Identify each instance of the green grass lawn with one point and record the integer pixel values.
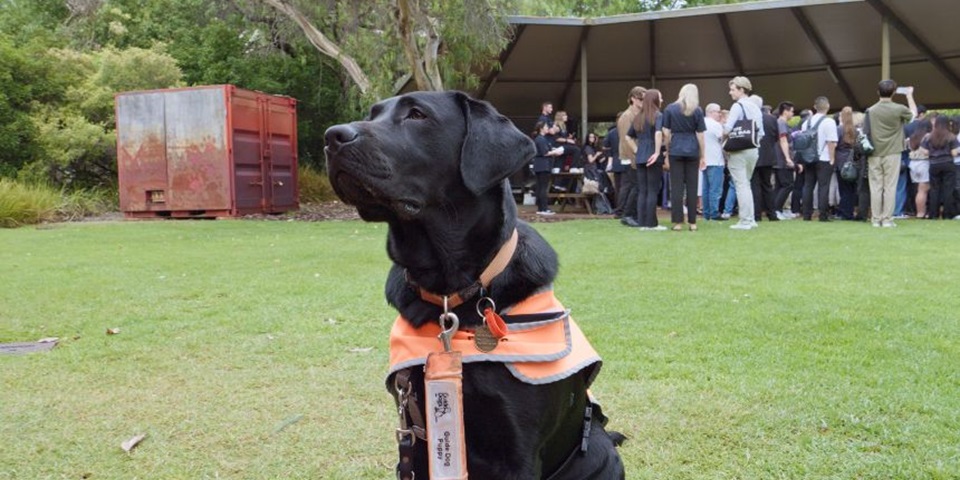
(256, 350)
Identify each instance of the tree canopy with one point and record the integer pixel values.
(62, 61)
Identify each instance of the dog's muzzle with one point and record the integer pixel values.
(338, 136)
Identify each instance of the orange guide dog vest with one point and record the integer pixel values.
(539, 352)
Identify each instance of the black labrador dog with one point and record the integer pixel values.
(434, 167)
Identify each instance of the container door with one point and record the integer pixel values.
(248, 151)
(264, 148)
(281, 118)
(141, 152)
(197, 160)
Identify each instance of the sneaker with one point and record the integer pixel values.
(888, 224)
(742, 226)
(783, 216)
(658, 228)
(547, 212)
(725, 216)
(957, 217)
(876, 224)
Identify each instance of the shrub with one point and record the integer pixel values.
(26, 204)
(85, 203)
(314, 186)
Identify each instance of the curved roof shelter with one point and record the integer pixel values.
(790, 49)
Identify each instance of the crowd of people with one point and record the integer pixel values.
(753, 161)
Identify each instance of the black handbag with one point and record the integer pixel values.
(850, 171)
(743, 135)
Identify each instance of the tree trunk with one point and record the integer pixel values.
(423, 64)
(323, 44)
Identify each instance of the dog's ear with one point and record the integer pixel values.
(493, 148)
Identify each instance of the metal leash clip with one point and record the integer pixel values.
(405, 435)
(446, 334)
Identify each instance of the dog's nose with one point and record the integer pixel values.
(338, 135)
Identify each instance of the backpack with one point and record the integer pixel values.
(805, 143)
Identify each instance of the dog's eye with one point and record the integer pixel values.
(415, 114)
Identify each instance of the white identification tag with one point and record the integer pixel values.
(445, 438)
(625, 161)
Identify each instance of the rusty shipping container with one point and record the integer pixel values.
(213, 151)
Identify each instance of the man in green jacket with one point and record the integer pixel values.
(886, 121)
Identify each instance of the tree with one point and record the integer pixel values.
(26, 78)
(599, 8)
(75, 136)
(441, 42)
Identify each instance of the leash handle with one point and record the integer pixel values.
(446, 442)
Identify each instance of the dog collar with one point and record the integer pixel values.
(494, 268)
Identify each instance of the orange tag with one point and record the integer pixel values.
(446, 445)
(495, 323)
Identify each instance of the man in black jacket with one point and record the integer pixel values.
(762, 181)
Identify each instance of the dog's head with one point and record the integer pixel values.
(423, 152)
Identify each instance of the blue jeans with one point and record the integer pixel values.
(712, 190)
(901, 193)
(731, 198)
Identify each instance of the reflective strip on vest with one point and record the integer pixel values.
(537, 353)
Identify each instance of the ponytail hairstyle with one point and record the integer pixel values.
(849, 129)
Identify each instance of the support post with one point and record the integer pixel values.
(584, 101)
(885, 49)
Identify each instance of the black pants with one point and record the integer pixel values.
(796, 201)
(617, 186)
(543, 181)
(817, 174)
(763, 199)
(956, 191)
(648, 189)
(848, 197)
(573, 151)
(627, 198)
(943, 180)
(684, 175)
(863, 194)
(785, 180)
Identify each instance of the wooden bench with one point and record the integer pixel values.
(583, 199)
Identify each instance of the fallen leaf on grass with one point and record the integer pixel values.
(49, 340)
(113, 331)
(360, 349)
(133, 442)
(287, 422)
